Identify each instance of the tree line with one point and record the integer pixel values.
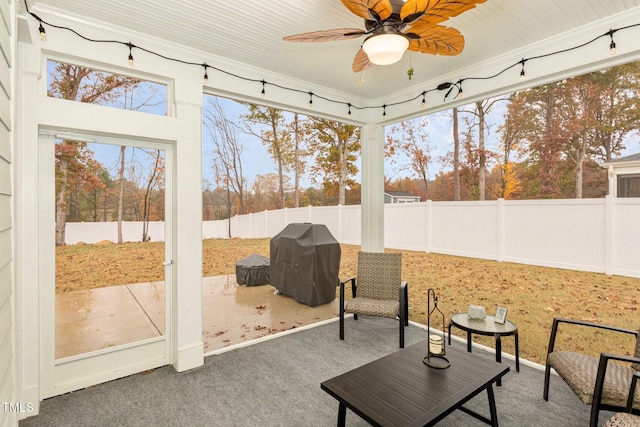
(543, 142)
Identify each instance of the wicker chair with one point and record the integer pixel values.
(378, 291)
(626, 419)
(595, 381)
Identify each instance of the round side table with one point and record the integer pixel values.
(487, 327)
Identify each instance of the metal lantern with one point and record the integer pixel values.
(436, 347)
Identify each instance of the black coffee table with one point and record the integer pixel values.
(400, 390)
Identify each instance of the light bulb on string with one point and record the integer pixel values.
(206, 75)
(263, 93)
(130, 54)
(522, 74)
(384, 110)
(612, 45)
(424, 99)
(43, 34)
(310, 99)
(349, 112)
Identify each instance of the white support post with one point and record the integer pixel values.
(187, 343)
(372, 215)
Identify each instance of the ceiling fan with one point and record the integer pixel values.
(393, 26)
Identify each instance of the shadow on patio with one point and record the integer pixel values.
(276, 382)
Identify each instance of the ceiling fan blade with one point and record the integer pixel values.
(434, 11)
(361, 62)
(436, 40)
(376, 10)
(326, 35)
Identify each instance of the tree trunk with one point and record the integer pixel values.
(456, 156)
(121, 195)
(482, 156)
(579, 170)
(343, 172)
(61, 205)
(296, 161)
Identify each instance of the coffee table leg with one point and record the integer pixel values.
(492, 406)
(469, 340)
(342, 415)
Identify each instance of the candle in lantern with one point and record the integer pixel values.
(435, 344)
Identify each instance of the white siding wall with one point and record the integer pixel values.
(7, 356)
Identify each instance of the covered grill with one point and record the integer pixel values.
(305, 262)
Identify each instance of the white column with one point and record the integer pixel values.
(187, 344)
(27, 280)
(372, 192)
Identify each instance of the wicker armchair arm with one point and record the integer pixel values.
(557, 321)
(602, 370)
(353, 286)
(632, 390)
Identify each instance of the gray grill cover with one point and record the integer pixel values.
(305, 262)
(253, 270)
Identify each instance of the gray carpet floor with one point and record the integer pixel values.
(277, 383)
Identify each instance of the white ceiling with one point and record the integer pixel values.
(251, 31)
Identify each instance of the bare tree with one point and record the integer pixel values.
(227, 149)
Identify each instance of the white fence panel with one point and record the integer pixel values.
(405, 226)
(298, 215)
(215, 229)
(464, 229)
(276, 221)
(625, 235)
(556, 233)
(93, 232)
(350, 232)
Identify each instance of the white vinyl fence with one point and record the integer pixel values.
(599, 235)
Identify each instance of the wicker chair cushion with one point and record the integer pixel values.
(373, 307)
(622, 419)
(379, 275)
(579, 372)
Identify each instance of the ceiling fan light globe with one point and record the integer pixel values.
(385, 49)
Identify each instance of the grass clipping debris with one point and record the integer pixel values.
(533, 295)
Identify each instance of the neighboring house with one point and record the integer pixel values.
(400, 197)
(624, 176)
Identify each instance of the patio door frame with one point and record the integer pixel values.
(67, 374)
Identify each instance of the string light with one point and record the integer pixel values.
(612, 45)
(440, 87)
(43, 34)
(130, 54)
(349, 112)
(206, 76)
(384, 110)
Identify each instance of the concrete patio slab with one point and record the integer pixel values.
(231, 314)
